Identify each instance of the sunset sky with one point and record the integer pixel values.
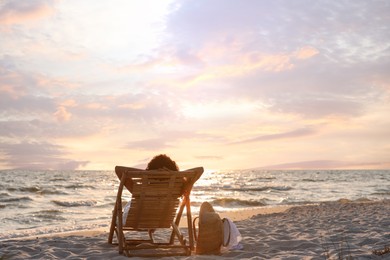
(220, 84)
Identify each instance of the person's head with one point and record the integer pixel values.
(162, 161)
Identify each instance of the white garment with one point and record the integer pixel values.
(126, 211)
(231, 230)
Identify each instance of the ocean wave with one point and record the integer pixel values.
(49, 211)
(38, 190)
(79, 186)
(58, 179)
(230, 202)
(81, 203)
(17, 199)
(42, 191)
(312, 180)
(4, 194)
(257, 179)
(265, 188)
(33, 189)
(385, 193)
(49, 215)
(204, 188)
(295, 202)
(108, 204)
(52, 192)
(52, 229)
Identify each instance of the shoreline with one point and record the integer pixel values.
(307, 231)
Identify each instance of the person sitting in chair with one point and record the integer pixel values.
(161, 161)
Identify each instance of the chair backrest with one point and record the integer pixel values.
(155, 195)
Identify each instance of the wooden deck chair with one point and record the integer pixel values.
(158, 199)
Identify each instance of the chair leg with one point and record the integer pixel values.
(113, 224)
(121, 238)
(189, 224)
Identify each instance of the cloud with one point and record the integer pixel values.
(166, 57)
(20, 129)
(48, 129)
(141, 108)
(168, 138)
(16, 12)
(37, 155)
(209, 157)
(34, 104)
(154, 144)
(320, 106)
(302, 132)
(24, 91)
(333, 51)
(306, 52)
(25, 104)
(327, 164)
(202, 75)
(313, 88)
(62, 114)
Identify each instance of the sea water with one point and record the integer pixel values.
(44, 202)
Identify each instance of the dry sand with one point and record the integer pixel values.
(339, 229)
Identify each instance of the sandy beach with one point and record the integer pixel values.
(323, 231)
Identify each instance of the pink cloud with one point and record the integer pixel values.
(167, 57)
(38, 155)
(297, 133)
(9, 91)
(154, 144)
(62, 114)
(306, 52)
(328, 164)
(16, 12)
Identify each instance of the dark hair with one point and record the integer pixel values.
(162, 161)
